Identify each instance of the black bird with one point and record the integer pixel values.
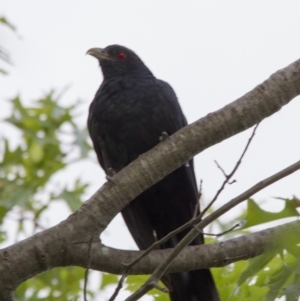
(131, 112)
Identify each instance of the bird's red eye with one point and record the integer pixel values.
(121, 56)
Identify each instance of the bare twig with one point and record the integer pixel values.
(86, 273)
(222, 170)
(159, 287)
(228, 177)
(219, 234)
(197, 206)
(163, 267)
(118, 288)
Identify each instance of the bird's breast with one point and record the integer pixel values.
(128, 116)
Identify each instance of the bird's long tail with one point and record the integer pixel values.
(193, 286)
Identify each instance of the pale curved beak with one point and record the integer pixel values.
(98, 53)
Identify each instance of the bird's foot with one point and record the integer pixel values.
(111, 179)
(110, 174)
(164, 136)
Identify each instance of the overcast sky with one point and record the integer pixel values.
(211, 52)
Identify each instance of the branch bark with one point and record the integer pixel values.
(199, 257)
(57, 246)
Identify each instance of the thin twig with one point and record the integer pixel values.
(197, 206)
(163, 267)
(86, 273)
(118, 288)
(156, 285)
(228, 177)
(222, 170)
(219, 234)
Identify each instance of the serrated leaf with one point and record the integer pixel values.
(256, 215)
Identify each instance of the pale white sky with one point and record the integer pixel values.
(210, 52)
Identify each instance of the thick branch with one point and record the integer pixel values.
(198, 257)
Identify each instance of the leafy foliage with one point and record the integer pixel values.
(50, 140)
(266, 277)
(56, 285)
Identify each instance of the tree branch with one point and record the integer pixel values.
(199, 257)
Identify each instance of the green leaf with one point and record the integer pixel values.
(3, 212)
(108, 279)
(255, 265)
(256, 215)
(26, 172)
(277, 281)
(292, 291)
(73, 196)
(54, 284)
(36, 153)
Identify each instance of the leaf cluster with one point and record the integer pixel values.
(49, 141)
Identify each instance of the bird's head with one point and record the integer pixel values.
(116, 60)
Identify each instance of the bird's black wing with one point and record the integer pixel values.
(178, 191)
(171, 202)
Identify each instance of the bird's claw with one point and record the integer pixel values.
(164, 136)
(109, 176)
(111, 179)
